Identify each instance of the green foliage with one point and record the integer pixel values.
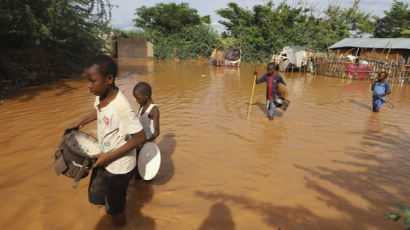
(131, 34)
(169, 18)
(266, 29)
(405, 33)
(66, 26)
(177, 31)
(404, 213)
(395, 23)
(227, 42)
(190, 43)
(62, 30)
(346, 22)
(263, 30)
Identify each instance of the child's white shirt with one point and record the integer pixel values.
(116, 122)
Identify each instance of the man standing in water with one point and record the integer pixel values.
(119, 133)
(272, 79)
(380, 89)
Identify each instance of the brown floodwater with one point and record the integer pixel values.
(328, 162)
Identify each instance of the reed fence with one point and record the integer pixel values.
(333, 64)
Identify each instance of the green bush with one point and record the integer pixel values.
(190, 43)
(44, 39)
(131, 34)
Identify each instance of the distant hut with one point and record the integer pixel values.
(291, 57)
(380, 49)
(228, 57)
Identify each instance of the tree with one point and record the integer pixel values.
(168, 18)
(177, 31)
(395, 23)
(267, 29)
(40, 39)
(55, 25)
(340, 23)
(191, 42)
(238, 18)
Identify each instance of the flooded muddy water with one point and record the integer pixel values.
(328, 162)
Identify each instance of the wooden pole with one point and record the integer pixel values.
(401, 73)
(357, 52)
(250, 101)
(385, 47)
(390, 69)
(307, 61)
(388, 52)
(396, 70)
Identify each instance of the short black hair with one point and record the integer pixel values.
(276, 67)
(384, 73)
(105, 65)
(144, 88)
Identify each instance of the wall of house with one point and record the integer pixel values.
(376, 54)
(134, 48)
(379, 54)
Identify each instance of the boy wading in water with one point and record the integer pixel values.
(272, 79)
(380, 89)
(148, 113)
(119, 133)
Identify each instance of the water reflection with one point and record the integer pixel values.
(327, 163)
(167, 169)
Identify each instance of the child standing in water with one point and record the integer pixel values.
(272, 79)
(380, 89)
(148, 114)
(119, 133)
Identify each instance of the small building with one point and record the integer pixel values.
(380, 49)
(134, 48)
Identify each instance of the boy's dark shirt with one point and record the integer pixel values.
(272, 83)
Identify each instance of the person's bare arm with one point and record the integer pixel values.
(135, 140)
(83, 120)
(154, 115)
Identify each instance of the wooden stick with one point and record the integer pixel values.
(336, 64)
(250, 101)
(388, 52)
(396, 72)
(385, 47)
(357, 52)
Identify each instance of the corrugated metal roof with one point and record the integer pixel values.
(378, 43)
